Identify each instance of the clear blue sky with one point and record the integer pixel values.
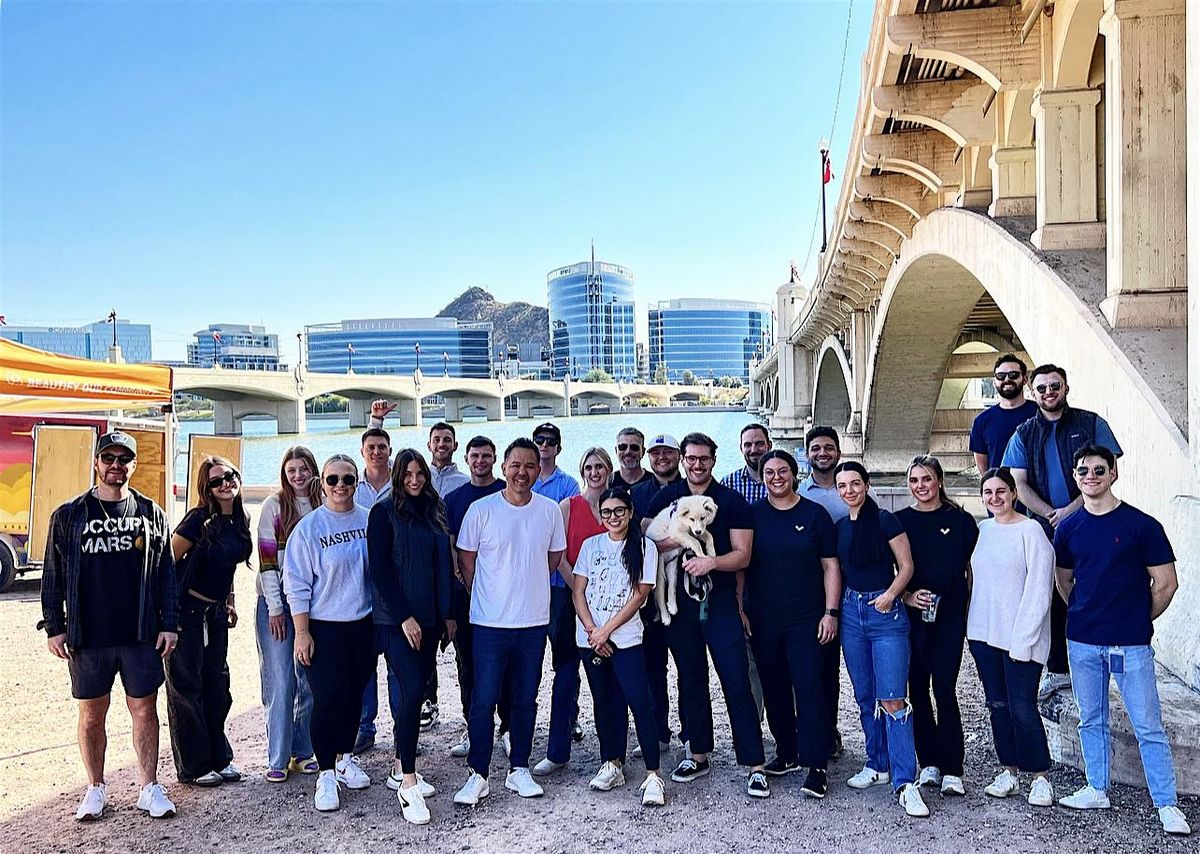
(304, 162)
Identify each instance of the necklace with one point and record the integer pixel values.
(123, 511)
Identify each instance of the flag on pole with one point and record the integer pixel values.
(349, 348)
(795, 279)
(3, 320)
(216, 336)
(827, 171)
(417, 348)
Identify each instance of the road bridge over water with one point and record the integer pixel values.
(1018, 179)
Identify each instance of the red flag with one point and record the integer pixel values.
(795, 279)
(3, 320)
(417, 348)
(827, 172)
(216, 336)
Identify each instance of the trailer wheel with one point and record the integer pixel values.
(8, 569)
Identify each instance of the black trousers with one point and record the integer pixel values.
(937, 650)
(793, 665)
(343, 661)
(1057, 662)
(655, 650)
(831, 675)
(1010, 688)
(198, 697)
(619, 686)
(412, 668)
(721, 635)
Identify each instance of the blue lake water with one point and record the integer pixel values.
(263, 449)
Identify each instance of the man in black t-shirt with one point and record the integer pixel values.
(714, 624)
(109, 606)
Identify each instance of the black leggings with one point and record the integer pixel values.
(934, 663)
(793, 667)
(343, 661)
(412, 668)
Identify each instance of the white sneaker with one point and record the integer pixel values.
(412, 805)
(609, 777)
(153, 799)
(546, 767)
(1004, 785)
(350, 774)
(1041, 793)
(1173, 821)
(868, 777)
(460, 750)
(506, 743)
(653, 791)
(1086, 798)
(1052, 682)
(395, 782)
(519, 781)
(93, 803)
(475, 789)
(930, 776)
(952, 785)
(326, 798)
(910, 798)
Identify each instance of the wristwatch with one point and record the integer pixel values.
(832, 612)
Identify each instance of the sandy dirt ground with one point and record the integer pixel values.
(41, 780)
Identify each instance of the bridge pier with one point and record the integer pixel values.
(452, 415)
(289, 415)
(360, 413)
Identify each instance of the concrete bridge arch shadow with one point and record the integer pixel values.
(833, 390)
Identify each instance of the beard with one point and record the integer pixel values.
(823, 467)
(1008, 391)
(1062, 401)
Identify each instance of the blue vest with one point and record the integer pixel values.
(1076, 428)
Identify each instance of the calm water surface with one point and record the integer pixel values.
(263, 449)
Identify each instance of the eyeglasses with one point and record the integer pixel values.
(229, 477)
(1042, 389)
(545, 440)
(613, 512)
(116, 459)
(1098, 471)
(622, 448)
(692, 460)
(346, 479)
(1007, 375)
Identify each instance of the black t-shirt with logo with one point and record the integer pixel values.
(110, 572)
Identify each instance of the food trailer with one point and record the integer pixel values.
(53, 410)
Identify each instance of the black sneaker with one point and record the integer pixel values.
(816, 784)
(835, 745)
(429, 715)
(757, 786)
(689, 769)
(777, 767)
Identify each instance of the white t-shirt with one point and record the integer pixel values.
(608, 589)
(511, 589)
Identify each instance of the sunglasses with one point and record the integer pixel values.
(1007, 375)
(346, 479)
(613, 512)
(230, 477)
(1098, 471)
(1042, 389)
(622, 448)
(545, 440)
(116, 459)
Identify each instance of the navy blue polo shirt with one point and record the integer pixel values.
(992, 428)
(733, 513)
(1110, 603)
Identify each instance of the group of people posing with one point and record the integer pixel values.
(406, 556)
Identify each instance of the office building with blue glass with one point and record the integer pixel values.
(390, 346)
(592, 319)
(712, 338)
(235, 346)
(86, 342)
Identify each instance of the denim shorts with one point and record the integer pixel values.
(94, 670)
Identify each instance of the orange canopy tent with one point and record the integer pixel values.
(33, 380)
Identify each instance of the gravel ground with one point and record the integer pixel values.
(43, 780)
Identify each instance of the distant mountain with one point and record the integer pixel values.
(512, 322)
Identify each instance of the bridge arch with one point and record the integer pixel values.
(833, 389)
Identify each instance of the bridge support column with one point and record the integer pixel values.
(224, 420)
(409, 412)
(1146, 145)
(860, 346)
(290, 417)
(495, 408)
(1193, 226)
(360, 413)
(524, 405)
(976, 189)
(1066, 170)
(1013, 189)
(452, 415)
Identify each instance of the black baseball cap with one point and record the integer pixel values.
(117, 439)
(548, 429)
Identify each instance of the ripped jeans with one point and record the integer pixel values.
(876, 649)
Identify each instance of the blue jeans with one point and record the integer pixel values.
(370, 700)
(876, 649)
(286, 696)
(1090, 669)
(519, 652)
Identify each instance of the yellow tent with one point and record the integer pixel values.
(33, 380)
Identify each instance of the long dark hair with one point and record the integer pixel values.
(866, 534)
(633, 553)
(207, 503)
(426, 506)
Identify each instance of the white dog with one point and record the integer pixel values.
(685, 521)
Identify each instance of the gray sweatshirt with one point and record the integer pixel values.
(325, 566)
